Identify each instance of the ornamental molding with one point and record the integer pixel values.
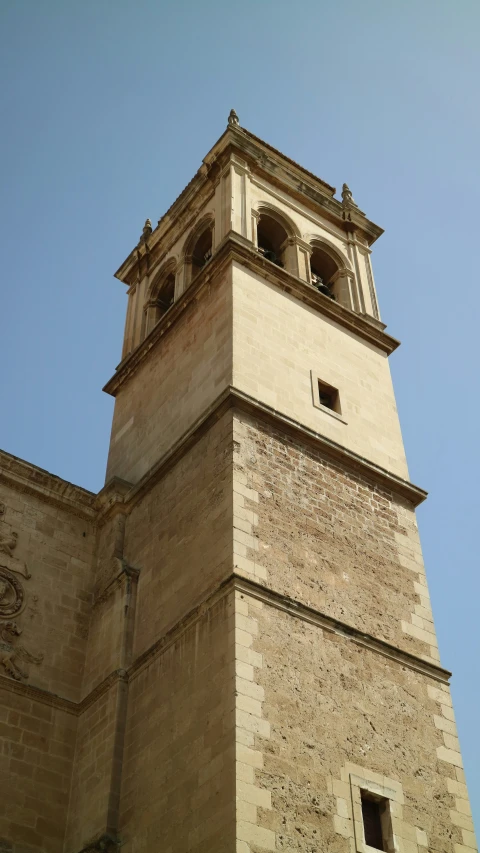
(238, 249)
(39, 694)
(234, 582)
(234, 399)
(309, 614)
(12, 594)
(22, 476)
(274, 166)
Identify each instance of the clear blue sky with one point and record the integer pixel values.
(107, 109)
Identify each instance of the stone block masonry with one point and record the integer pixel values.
(329, 538)
(244, 664)
(231, 649)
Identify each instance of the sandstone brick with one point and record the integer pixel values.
(253, 834)
(249, 756)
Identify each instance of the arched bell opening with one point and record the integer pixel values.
(162, 297)
(202, 250)
(271, 239)
(323, 269)
(166, 297)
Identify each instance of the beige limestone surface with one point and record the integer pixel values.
(278, 342)
(225, 646)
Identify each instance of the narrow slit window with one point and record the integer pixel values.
(376, 821)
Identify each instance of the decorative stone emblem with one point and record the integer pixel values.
(233, 119)
(12, 594)
(10, 651)
(12, 602)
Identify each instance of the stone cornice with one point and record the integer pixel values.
(39, 694)
(24, 477)
(302, 185)
(232, 398)
(110, 499)
(350, 460)
(265, 160)
(180, 218)
(272, 598)
(130, 364)
(234, 248)
(314, 617)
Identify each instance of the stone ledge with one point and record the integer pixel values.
(39, 694)
(352, 461)
(238, 249)
(328, 623)
(274, 166)
(232, 398)
(233, 583)
(23, 476)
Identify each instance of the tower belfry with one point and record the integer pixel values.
(299, 702)
(260, 670)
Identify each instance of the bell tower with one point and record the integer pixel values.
(280, 686)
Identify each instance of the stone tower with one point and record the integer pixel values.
(256, 666)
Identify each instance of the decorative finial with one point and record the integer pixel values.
(233, 119)
(347, 197)
(147, 230)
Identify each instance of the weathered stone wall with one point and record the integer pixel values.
(92, 773)
(330, 710)
(56, 548)
(178, 790)
(46, 564)
(37, 743)
(329, 538)
(178, 540)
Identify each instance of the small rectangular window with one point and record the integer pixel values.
(376, 821)
(328, 397)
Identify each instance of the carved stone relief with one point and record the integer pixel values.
(8, 543)
(10, 652)
(12, 602)
(12, 594)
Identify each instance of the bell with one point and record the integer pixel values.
(270, 256)
(318, 282)
(322, 288)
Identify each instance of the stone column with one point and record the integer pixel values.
(290, 254)
(304, 252)
(180, 277)
(255, 216)
(343, 282)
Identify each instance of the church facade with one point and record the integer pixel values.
(231, 646)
